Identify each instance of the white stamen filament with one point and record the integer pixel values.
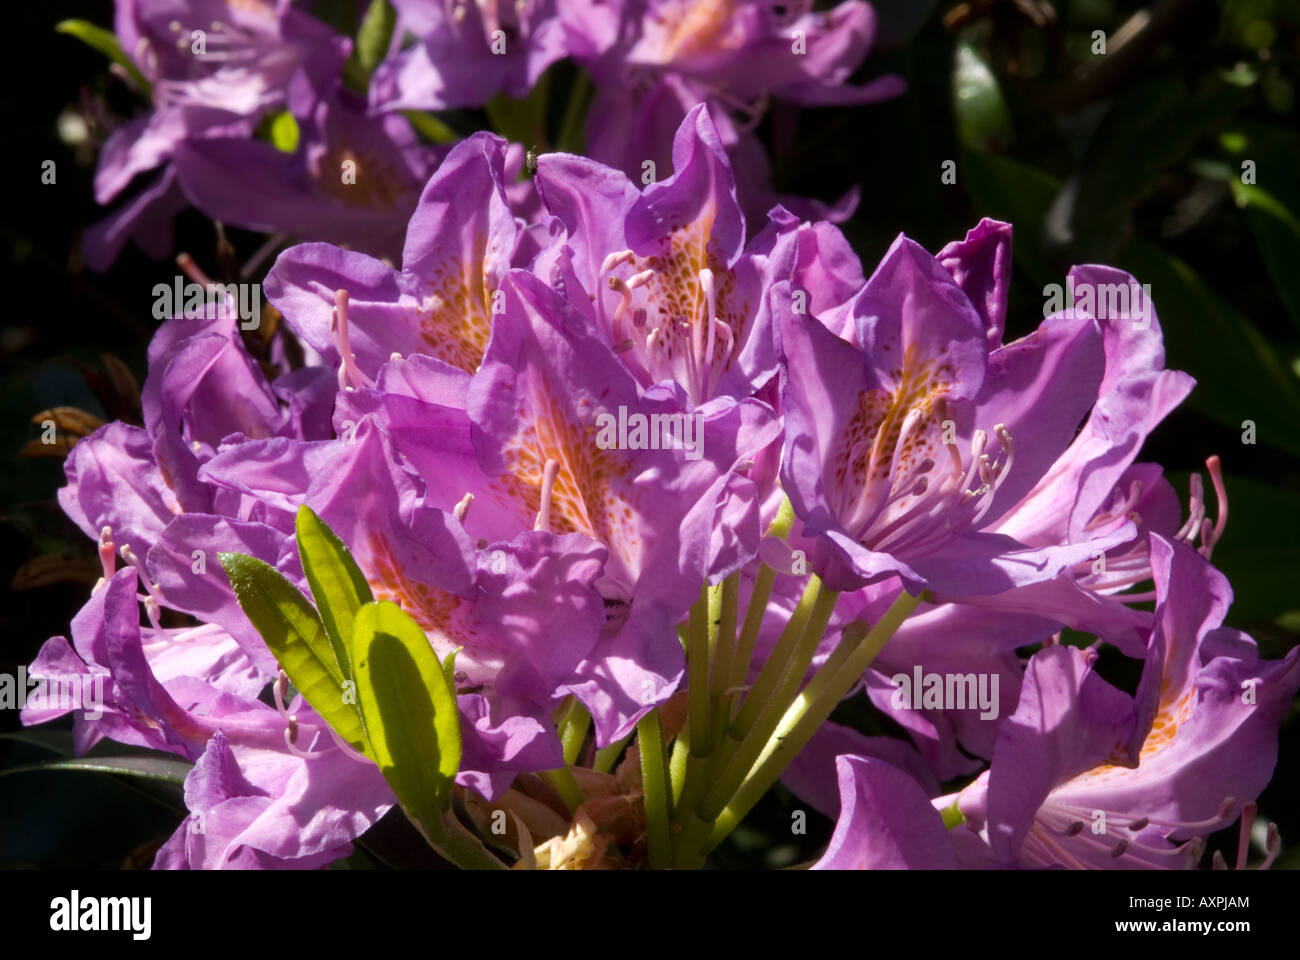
(350, 374)
(150, 587)
(603, 278)
(706, 336)
(151, 610)
(725, 328)
(1000, 471)
(279, 688)
(1129, 502)
(346, 748)
(549, 472)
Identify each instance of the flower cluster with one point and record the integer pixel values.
(632, 461)
(264, 117)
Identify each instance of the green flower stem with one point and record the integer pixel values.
(770, 676)
(689, 844)
(850, 646)
(606, 757)
(655, 788)
(720, 676)
(696, 820)
(783, 694)
(850, 637)
(783, 521)
(698, 666)
(677, 764)
(566, 786)
(809, 711)
(744, 654)
(697, 671)
(572, 728)
(796, 667)
(693, 828)
(755, 611)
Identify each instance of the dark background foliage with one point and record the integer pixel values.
(1133, 158)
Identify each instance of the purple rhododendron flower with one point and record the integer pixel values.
(1206, 701)
(676, 289)
(639, 449)
(1083, 775)
(214, 69)
(653, 60)
(353, 179)
(901, 453)
(467, 52)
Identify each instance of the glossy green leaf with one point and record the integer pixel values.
(297, 638)
(430, 126)
(55, 741)
(523, 120)
(375, 34)
(900, 20)
(413, 722)
(1204, 332)
(1148, 130)
(106, 42)
(165, 768)
(449, 668)
(1005, 189)
(409, 708)
(1277, 234)
(283, 132)
(983, 121)
(337, 583)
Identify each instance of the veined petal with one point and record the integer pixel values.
(886, 822)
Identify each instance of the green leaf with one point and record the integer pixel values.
(521, 121)
(983, 121)
(337, 583)
(297, 638)
(375, 34)
(1277, 234)
(1148, 130)
(572, 137)
(355, 77)
(900, 20)
(1202, 331)
(413, 723)
(55, 741)
(1270, 205)
(283, 132)
(1008, 190)
(430, 126)
(409, 709)
(164, 768)
(106, 42)
(449, 668)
